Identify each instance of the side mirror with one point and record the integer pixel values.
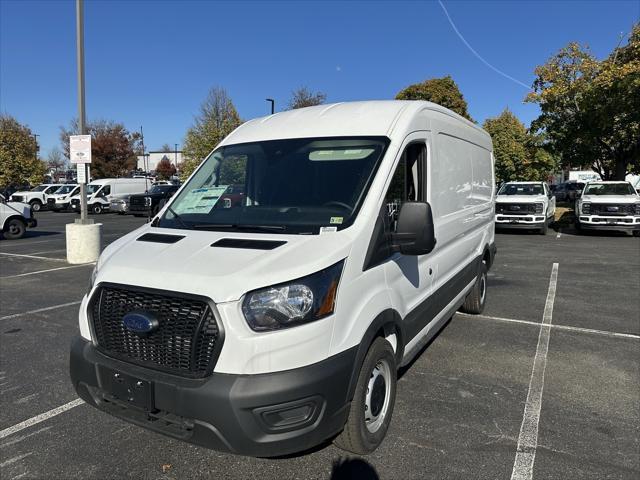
(415, 233)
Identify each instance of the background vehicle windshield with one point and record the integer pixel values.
(609, 189)
(93, 188)
(161, 188)
(64, 189)
(292, 186)
(521, 189)
(39, 188)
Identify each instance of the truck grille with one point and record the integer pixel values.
(17, 198)
(516, 208)
(609, 209)
(138, 201)
(184, 343)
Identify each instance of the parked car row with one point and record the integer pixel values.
(600, 205)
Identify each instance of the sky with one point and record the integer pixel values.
(150, 63)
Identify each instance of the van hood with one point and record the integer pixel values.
(22, 208)
(192, 265)
(520, 198)
(625, 199)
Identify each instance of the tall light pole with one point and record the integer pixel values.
(144, 161)
(176, 156)
(82, 119)
(273, 105)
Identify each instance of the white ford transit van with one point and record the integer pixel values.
(362, 228)
(100, 193)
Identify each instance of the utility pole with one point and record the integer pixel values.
(176, 156)
(273, 105)
(35, 139)
(82, 119)
(144, 161)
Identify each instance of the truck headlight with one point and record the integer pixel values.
(539, 207)
(585, 208)
(637, 208)
(147, 201)
(293, 303)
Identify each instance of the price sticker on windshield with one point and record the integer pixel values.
(80, 148)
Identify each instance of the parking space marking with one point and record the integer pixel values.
(40, 418)
(33, 256)
(528, 438)
(23, 243)
(555, 326)
(559, 233)
(46, 309)
(48, 270)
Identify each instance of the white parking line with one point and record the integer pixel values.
(33, 256)
(40, 418)
(46, 309)
(555, 326)
(559, 233)
(45, 271)
(528, 438)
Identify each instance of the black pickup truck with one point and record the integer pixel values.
(148, 204)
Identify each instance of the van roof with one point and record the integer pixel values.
(370, 118)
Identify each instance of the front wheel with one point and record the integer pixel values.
(545, 228)
(36, 205)
(474, 303)
(14, 229)
(96, 208)
(373, 401)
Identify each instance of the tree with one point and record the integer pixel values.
(55, 160)
(165, 169)
(303, 97)
(113, 147)
(518, 154)
(18, 157)
(217, 119)
(166, 148)
(443, 91)
(591, 108)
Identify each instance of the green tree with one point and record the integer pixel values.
(443, 91)
(166, 148)
(217, 119)
(303, 97)
(590, 109)
(113, 147)
(18, 157)
(518, 154)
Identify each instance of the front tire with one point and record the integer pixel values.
(477, 297)
(96, 208)
(545, 227)
(36, 205)
(14, 229)
(373, 401)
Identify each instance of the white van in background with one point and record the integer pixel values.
(363, 227)
(37, 196)
(60, 199)
(100, 193)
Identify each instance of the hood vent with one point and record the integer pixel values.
(159, 238)
(248, 243)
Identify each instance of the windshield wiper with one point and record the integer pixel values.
(229, 226)
(179, 219)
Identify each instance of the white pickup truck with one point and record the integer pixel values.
(15, 217)
(609, 206)
(37, 196)
(527, 205)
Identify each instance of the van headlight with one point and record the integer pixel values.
(293, 303)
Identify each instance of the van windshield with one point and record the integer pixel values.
(521, 189)
(64, 189)
(279, 186)
(93, 188)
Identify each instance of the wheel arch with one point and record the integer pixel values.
(386, 323)
(13, 217)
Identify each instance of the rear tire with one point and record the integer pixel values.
(474, 303)
(36, 205)
(14, 229)
(373, 401)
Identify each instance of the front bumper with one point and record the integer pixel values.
(599, 222)
(520, 221)
(262, 415)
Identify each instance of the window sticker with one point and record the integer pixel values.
(328, 229)
(336, 220)
(201, 200)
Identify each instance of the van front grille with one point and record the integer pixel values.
(184, 342)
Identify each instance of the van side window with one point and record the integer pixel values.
(407, 184)
(106, 190)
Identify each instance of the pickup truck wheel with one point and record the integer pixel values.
(36, 205)
(14, 229)
(373, 401)
(545, 227)
(474, 303)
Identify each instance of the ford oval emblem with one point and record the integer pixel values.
(140, 322)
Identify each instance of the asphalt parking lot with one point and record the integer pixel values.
(556, 354)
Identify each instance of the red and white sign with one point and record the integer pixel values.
(80, 148)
